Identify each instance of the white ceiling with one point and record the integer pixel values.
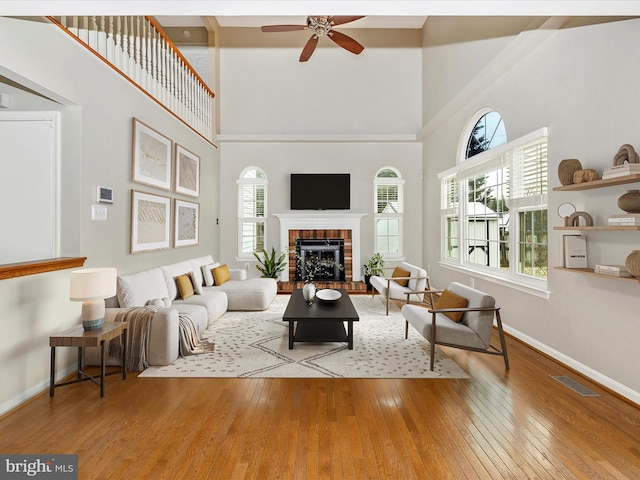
(416, 22)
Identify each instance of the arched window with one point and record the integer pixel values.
(487, 133)
(494, 203)
(388, 210)
(252, 212)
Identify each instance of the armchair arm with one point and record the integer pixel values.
(472, 309)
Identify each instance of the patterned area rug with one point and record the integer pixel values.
(256, 344)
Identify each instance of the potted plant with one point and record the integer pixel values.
(269, 265)
(373, 267)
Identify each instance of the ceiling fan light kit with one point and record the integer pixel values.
(321, 26)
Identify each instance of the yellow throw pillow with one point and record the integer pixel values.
(185, 286)
(451, 300)
(401, 272)
(221, 274)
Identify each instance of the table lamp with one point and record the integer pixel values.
(91, 286)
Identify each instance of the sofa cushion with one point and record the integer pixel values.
(215, 304)
(221, 274)
(171, 272)
(185, 286)
(449, 299)
(399, 272)
(135, 289)
(251, 294)
(207, 273)
(196, 264)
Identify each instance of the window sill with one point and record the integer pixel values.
(14, 270)
(535, 290)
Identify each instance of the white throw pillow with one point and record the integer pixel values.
(196, 264)
(206, 273)
(197, 284)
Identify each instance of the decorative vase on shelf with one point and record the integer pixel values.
(633, 263)
(567, 168)
(308, 291)
(630, 201)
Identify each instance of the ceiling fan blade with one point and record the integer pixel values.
(339, 20)
(309, 48)
(345, 42)
(282, 28)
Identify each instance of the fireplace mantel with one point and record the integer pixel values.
(323, 220)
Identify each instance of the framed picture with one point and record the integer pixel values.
(187, 172)
(151, 156)
(150, 222)
(187, 228)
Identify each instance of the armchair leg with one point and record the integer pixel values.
(503, 342)
(387, 302)
(406, 329)
(433, 340)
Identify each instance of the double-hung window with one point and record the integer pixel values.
(494, 211)
(252, 212)
(388, 213)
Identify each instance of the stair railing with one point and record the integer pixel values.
(138, 48)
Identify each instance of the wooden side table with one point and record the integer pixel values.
(81, 338)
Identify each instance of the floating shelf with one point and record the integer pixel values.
(607, 182)
(590, 271)
(599, 227)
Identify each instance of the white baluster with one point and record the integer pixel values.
(92, 32)
(110, 43)
(125, 46)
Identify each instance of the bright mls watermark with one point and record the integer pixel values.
(52, 467)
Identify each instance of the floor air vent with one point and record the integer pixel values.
(575, 386)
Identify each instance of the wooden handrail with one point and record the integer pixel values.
(14, 270)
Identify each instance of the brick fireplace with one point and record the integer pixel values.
(337, 244)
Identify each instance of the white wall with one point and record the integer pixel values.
(97, 107)
(582, 84)
(361, 160)
(336, 113)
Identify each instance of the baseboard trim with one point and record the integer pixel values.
(606, 382)
(34, 391)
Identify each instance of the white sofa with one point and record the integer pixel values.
(138, 289)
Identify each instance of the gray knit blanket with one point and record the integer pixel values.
(138, 331)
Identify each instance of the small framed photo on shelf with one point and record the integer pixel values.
(187, 228)
(187, 172)
(150, 222)
(151, 163)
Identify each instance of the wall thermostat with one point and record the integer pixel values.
(105, 195)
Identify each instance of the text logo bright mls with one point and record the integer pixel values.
(58, 467)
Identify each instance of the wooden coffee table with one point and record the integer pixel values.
(321, 321)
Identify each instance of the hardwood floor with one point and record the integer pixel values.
(497, 424)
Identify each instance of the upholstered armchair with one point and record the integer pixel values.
(406, 282)
(461, 318)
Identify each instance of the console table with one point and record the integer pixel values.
(81, 338)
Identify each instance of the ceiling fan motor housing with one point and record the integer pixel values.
(320, 26)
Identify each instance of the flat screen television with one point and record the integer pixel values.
(320, 191)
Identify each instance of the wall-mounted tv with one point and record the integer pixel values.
(320, 191)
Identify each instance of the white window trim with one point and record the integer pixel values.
(399, 256)
(244, 256)
(476, 165)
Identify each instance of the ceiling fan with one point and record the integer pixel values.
(320, 27)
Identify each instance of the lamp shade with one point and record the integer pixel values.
(92, 284)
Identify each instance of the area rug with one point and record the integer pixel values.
(256, 344)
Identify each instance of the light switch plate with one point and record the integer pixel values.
(98, 213)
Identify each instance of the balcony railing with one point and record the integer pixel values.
(138, 48)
